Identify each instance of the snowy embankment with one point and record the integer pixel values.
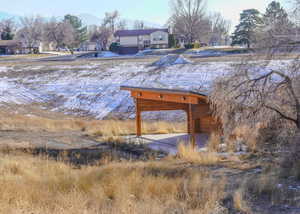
(94, 89)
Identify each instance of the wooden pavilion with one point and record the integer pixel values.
(196, 106)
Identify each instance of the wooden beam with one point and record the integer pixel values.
(138, 118)
(188, 116)
(153, 105)
(176, 98)
(191, 125)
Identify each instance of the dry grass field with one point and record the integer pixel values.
(216, 181)
(39, 185)
(45, 121)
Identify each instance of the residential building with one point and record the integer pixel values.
(131, 41)
(90, 46)
(10, 47)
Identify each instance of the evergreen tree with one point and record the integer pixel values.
(7, 34)
(172, 41)
(275, 19)
(7, 29)
(244, 33)
(79, 29)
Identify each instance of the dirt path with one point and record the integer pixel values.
(51, 140)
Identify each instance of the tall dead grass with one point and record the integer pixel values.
(105, 128)
(214, 142)
(266, 187)
(191, 154)
(37, 185)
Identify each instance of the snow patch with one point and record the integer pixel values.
(107, 54)
(94, 89)
(171, 59)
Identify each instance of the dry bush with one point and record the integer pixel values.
(239, 201)
(37, 185)
(248, 136)
(290, 165)
(214, 142)
(267, 187)
(191, 154)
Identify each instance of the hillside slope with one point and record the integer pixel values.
(93, 89)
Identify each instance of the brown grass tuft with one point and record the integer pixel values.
(240, 202)
(191, 154)
(214, 142)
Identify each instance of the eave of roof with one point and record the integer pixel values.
(138, 32)
(163, 90)
(9, 43)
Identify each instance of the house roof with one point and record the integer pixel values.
(9, 43)
(163, 90)
(138, 32)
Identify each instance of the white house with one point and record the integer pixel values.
(90, 46)
(134, 40)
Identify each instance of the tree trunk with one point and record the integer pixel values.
(297, 136)
(298, 119)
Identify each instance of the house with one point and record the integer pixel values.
(90, 46)
(199, 115)
(131, 41)
(10, 47)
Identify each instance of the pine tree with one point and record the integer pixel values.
(7, 29)
(244, 33)
(275, 19)
(80, 30)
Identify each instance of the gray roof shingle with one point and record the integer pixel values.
(138, 32)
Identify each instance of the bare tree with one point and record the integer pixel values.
(122, 25)
(139, 24)
(111, 20)
(53, 32)
(219, 29)
(60, 33)
(7, 29)
(31, 32)
(258, 93)
(189, 19)
(261, 89)
(69, 36)
(276, 29)
(101, 35)
(110, 24)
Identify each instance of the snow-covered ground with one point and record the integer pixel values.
(94, 89)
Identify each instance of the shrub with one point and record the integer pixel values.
(191, 154)
(172, 41)
(114, 47)
(197, 45)
(189, 46)
(214, 142)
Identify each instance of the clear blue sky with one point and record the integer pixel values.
(149, 10)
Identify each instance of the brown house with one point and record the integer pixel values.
(10, 46)
(131, 41)
(196, 106)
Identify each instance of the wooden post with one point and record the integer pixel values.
(188, 121)
(191, 122)
(138, 118)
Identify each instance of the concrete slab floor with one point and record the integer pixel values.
(167, 142)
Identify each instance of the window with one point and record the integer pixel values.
(158, 38)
